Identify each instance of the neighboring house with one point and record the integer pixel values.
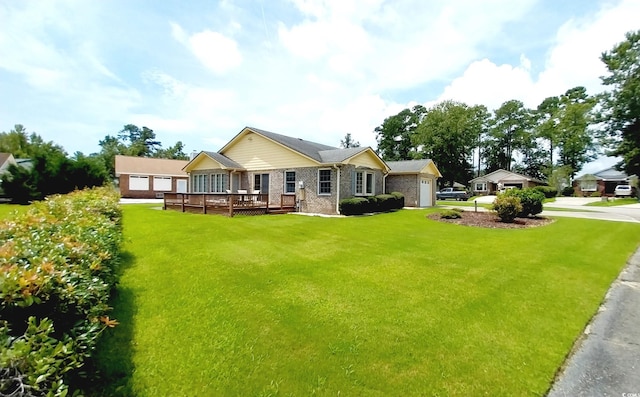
(496, 180)
(603, 182)
(144, 177)
(416, 179)
(317, 175)
(6, 160)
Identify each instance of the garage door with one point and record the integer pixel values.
(138, 182)
(162, 183)
(426, 192)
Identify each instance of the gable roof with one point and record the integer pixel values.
(306, 148)
(149, 166)
(504, 175)
(6, 159)
(413, 167)
(221, 159)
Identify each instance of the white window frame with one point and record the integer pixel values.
(218, 183)
(483, 187)
(321, 182)
(200, 183)
(136, 184)
(365, 183)
(588, 185)
(160, 183)
(289, 185)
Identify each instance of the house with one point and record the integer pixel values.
(602, 182)
(144, 177)
(416, 179)
(497, 180)
(313, 175)
(6, 160)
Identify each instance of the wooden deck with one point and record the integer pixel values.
(228, 204)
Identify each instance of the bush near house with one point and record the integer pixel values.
(568, 191)
(58, 265)
(548, 191)
(530, 199)
(379, 203)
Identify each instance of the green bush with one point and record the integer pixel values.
(548, 191)
(530, 199)
(568, 191)
(596, 194)
(363, 205)
(451, 214)
(507, 207)
(58, 266)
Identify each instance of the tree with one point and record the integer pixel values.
(447, 134)
(24, 145)
(621, 105)
(509, 132)
(546, 116)
(348, 142)
(395, 134)
(175, 152)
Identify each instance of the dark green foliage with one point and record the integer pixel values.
(530, 199)
(451, 214)
(395, 134)
(568, 191)
(58, 266)
(364, 205)
(548, 191)
(507, 207)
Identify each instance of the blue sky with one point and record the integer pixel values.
(199, 71)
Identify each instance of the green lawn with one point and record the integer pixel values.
(7, 209)
(612, 202)
(393, 304)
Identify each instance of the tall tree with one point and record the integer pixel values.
(510, 131)
(546, 118)
(448, 135)
(621, 104)
(348, 142)
(175, 152)
(24, 145)
(575, 140)
(395, 134)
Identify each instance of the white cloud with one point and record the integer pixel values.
(215, 51)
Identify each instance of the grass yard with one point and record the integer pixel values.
(7, 209)
(612, 202)
(385, 305)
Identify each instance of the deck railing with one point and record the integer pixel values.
(225, 203)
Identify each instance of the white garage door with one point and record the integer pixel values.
(426, 193)
(162, 183)
(138, 182)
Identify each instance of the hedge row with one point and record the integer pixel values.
(379, 203)
(58, 266)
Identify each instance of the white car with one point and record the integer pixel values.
(622, 191)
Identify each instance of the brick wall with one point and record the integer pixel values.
(123, 184)
(407, 185)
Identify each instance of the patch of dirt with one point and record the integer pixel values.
(491, 220)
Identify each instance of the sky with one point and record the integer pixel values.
(200, 71)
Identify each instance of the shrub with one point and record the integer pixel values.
(568, 191)
(58, 266)
(379, 203)
(548, 191)
(596, 194)
(451, 214)
(507, 207)
(530, 199)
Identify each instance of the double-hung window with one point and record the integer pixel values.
(481, 187)
(289, 181)
(364, 183)
(324, 181)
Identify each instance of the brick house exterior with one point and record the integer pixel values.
(144, 177)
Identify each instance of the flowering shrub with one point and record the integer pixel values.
(58, 266)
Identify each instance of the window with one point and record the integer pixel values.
(588, 185)
(200, 183)
(324, 181)
(138, 182)
(218, 183)
(481, 187)
(289, 181)
(364, 183)
(162, 183)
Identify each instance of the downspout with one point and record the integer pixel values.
(384, 182)
(338, 188)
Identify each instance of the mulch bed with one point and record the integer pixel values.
(490, 220)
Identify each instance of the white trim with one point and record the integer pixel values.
(318, 186)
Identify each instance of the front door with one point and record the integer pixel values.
(426, 194)
(181, 186)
